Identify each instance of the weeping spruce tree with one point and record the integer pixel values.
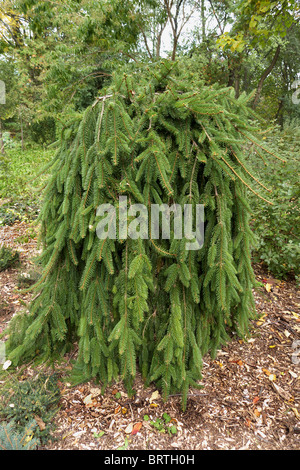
(155, 137)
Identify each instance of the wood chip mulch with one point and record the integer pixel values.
(251, 392)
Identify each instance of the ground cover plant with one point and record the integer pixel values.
(29, 405)
(8, 257)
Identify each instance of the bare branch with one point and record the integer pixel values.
(145, 40)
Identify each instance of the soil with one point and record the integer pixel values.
(250, 398)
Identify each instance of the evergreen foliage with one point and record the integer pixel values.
(154, 136)
(8, 257)
(29, 400)
(12, 439)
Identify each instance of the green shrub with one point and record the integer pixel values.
(157, 137)
(32, 400)
(277, 226)
(26, 279)
(12, 439)
(9, 143)
(22, 210)
(8, 257)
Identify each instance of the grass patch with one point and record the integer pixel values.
(21, 183)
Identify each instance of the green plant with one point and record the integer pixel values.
(8, 257)
(13, 439)
(32, 400)
(26, 279)
(125, 445)
(21, 210)
(8, 141)
(163, 424)
(156, 137)
(277, 226)
(22, 175)
(100, 434)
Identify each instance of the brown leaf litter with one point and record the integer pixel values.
(250, 397)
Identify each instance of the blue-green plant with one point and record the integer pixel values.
(16, 439)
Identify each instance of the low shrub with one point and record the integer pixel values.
(12, 439)
(34, 400)
(8, 257)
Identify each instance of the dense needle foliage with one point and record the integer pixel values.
(155, 136)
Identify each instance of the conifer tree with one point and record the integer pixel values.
(158, 137)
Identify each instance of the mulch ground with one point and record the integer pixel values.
(250, 397)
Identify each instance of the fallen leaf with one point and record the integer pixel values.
(220, 364)
(174, 444)
(155, 396)
(293, 374)
(283, 393)
(296, 315)
(237, 361)
(129, 428)
(271, 376)
(95, 392)
(88, 400)
(40, 423)
(261, 320)
(255, 400)
(136, 428)
(268, 287)
(124, 410)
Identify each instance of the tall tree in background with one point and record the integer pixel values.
(260, 27)
(64, 50)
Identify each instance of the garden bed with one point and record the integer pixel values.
(251, 391)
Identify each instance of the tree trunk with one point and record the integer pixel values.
(279, 114)
(22, 136)
(175, 41)
(203, 20)
(263, 77)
